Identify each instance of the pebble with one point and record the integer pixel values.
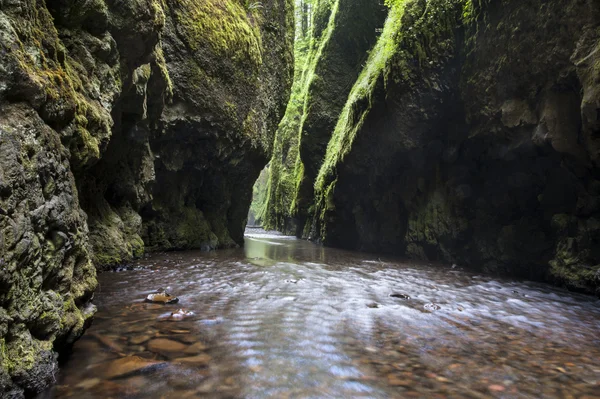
(199, 360)
(397, 382)
(139, 339)
(166, 345)
(196, 348)
(188, 338)
(432, 307)
(128, 365)
(109, 342)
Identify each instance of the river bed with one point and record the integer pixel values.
(285, 318)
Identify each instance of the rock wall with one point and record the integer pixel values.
(200, 123)
(471, 136)
(124, 127)
(328, 60)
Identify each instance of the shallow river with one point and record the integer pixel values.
(284, 318)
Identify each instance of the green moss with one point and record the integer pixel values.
(223, 25)
(142, 74)
(259, 197)
(349, 123)
(159, 58)
(159, 13)
(596, 67)
(102, 259)
(575, 275)
(427, 37)
(287, 170)
(62, 83)
(137, 246)
(19, 356)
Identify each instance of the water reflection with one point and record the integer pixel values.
(272, 247)
(286, 318)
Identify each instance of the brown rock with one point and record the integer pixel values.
(397, 382)
(166, 345)
(199, 360)
(196, 348)
(138, 340)
(130, 364)
(110, 343)
(188, 338)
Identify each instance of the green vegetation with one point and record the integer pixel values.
(414, 31)
(286, 170)
(398, 54)
(349, 124)
(224, 25)
(258, 207)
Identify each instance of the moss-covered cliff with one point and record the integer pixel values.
(124, 127)
(470, 136)
(329, 56)
(200, 144)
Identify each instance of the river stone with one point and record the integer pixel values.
(166, 345)
(140, 339)
(109, 342)
(397, 382)
(162, 297)
(188, 338)
(196, 348)
(199, 360)
(130, 364)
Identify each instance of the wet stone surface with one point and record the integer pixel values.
(284, 318)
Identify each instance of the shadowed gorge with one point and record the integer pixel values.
(458, 135)
(469, 135)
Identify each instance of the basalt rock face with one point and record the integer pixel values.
(195, 131)
(328, 61)
(124, 127)
(471, 136)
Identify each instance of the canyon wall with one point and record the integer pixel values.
(124, 127)
(470, 136)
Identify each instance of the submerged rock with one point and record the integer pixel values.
(199, 360)
(140, 339)
(198, 347)
(161, 345)
(129, 365)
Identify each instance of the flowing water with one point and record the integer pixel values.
(284, 318)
